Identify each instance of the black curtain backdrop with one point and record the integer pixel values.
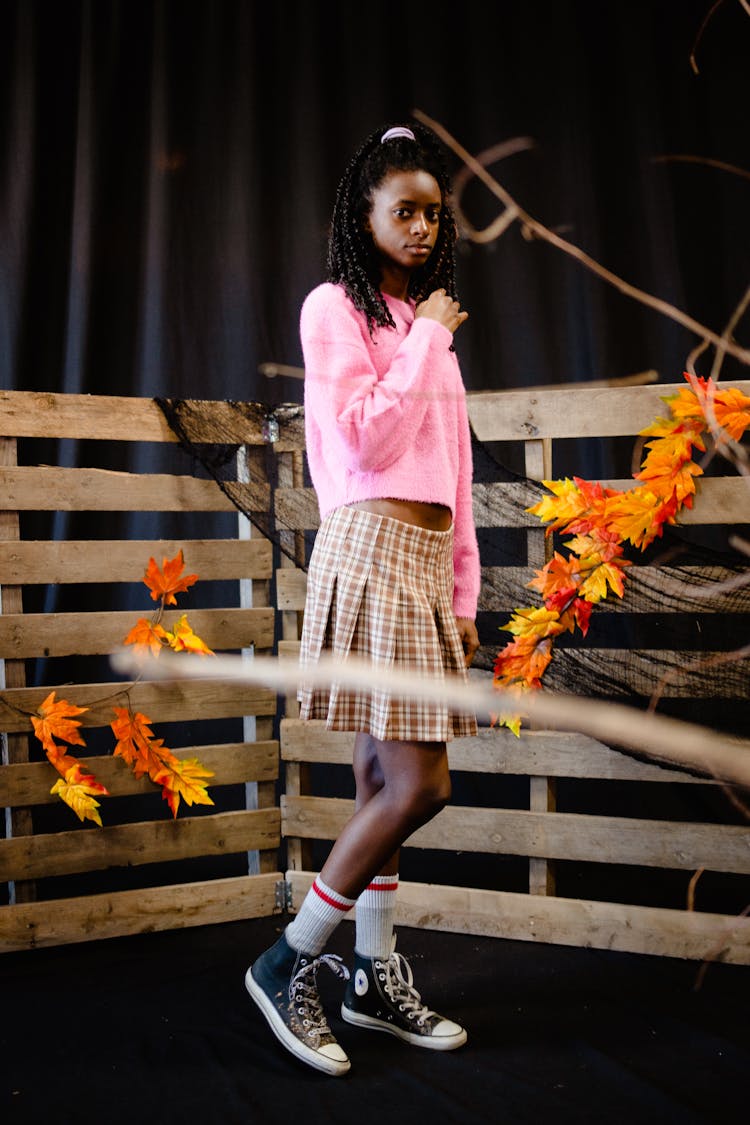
(168, 171)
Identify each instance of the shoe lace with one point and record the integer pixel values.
(303, 991)
(400, 987)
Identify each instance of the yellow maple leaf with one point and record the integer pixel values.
(634, 515)
(164, 583)
(183, 639)
(538, 622)
(78, 790)
(677, 481)
(605, 577)
(183, 779)
(55, 720)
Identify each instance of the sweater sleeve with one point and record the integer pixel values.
(369, 420)
(466, 566)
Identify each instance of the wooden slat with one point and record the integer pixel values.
(125, 560)
(720, 501)
(577, 836)
(231, 763)
(575, 413)
(648, 589)
(43, 489)
(493, 751)
(163, 701)
(157, 841)
(144, 911)
(291, 588)
(27, 635)
(114, 418)
(616, 672)
(296, 509)
(655, 931)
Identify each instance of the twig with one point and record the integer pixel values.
(661, 738)
(534, 227)
(708, 160)
(701, 29)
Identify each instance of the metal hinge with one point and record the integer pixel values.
(283, 895)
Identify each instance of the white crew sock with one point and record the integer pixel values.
(376, 908)
(319, 915)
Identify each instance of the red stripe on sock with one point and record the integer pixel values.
(382, 887)
(345, 906)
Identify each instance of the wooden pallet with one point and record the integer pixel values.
(546, 837)
(140, 834)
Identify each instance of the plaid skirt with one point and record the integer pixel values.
(382, 590)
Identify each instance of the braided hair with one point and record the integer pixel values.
(352, 260)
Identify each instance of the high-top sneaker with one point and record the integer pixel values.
(283, 983)
(381, 995)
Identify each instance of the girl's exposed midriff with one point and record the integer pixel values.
(433, 517)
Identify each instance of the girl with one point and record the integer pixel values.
(393, 577)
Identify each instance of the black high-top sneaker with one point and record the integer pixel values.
(283, 983)
(381, 995)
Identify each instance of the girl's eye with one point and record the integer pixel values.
(402, 213)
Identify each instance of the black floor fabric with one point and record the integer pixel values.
(158, 1030)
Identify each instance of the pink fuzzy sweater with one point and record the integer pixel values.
(385, 418)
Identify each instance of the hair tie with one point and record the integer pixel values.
(397, 131)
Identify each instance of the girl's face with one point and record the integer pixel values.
(404, 220)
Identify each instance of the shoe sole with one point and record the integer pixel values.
(285, 1037)
(441, 1043)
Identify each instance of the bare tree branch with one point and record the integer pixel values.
(536, 229)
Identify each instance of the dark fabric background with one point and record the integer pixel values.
(168, 170)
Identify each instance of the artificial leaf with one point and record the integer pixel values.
(538, 622)
(183, 779)
(55, 720)
(732, 411)
(146, 635)
(598, 545)
(136, 743)
(183, 639)
(78, 790)
(524, 659)
(164, 583)
(666, 481)
(570, 500)
(556, 575)
(634, 515)
(600, 580)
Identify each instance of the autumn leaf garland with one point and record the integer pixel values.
(136, 744)
(602, 520)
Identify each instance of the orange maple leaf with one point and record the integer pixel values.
(55, 721)
(558, 574)
(137, 745)
(183, 779)
(146, 635)
(78, 790)
(635, 515)
(164, 583)
(183, 639)
(524, 659)
(732, 411)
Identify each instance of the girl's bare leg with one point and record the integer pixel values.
(400, 786)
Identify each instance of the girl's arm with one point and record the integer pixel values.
(369, 421)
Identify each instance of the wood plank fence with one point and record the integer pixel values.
(546, 837)
(246, 820)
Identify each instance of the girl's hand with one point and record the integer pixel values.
(469, 638)
(442, 308)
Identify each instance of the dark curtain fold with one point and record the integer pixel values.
(168, 170)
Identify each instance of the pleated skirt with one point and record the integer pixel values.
(382, 590)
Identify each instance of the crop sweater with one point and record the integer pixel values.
(385, 418)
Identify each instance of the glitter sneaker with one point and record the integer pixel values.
(283, 983)
(381, 995)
